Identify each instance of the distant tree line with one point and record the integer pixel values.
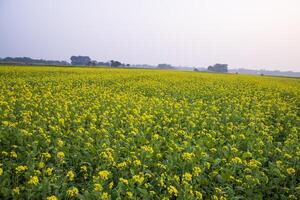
(30, 61)
(87, 61)
(75, 60)
(165, 66)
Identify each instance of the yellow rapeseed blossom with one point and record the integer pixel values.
(41, 165)
(13, 154)
(1, 171)
(148, 149)
(137, 162)
(46, 155)
(105, 196)
(291, 170)
(129, 194)
(97, 187)
(70, 175)
(197, 171)
(104, 174)
(49, 171)
(172, 191)
(188, 156)
(52, 197)
(110, 185)
(83, 168)
(187, 177)
(34, 180)
(72, 192)
(16, 190)
(60, 143)
(138, 179)
(236, 160)
(21, 168)
(124, 181)
(198, 195)
(60, 155)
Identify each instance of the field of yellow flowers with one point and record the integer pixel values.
(100, 133)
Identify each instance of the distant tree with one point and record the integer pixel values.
(196, 70)
(222, 68)
(114, 63)
(80, 60)
(164, 66)
(92, 63)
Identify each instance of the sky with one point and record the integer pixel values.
(253, 34)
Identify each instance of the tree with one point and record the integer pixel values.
(164, 66)
(222, 68)
(80, 60)
(114, 63)
(92, 63)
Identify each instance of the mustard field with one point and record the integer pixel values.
(101, 133)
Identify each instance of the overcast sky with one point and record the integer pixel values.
(252, 34)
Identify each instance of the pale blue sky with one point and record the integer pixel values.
(243, 33)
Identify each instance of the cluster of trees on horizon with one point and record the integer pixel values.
(87, 61)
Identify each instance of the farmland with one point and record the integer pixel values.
(101, 133)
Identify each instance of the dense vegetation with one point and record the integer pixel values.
(68, 133)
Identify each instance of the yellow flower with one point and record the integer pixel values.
(97, 187)
(236, 160)
(41, 165)
(137, 162)
(46, 155)
(188, 156)
(155, 136)
(197, 171)
(110, 185)
(122, 165)
(291, 170)
(124, 181)
(187, 177)
(172, 191)
(13, 154)
(70, 175)
(129, 194)
(105, 196)
(254, 163)
(104, 174)
(72, 192)
(198, 195)
(37, 172)
(60, 143)
(53, 197)
(1, 171)
(177, 178)
(138, 179)
(148, 149)
(34, 180)
(21, 168)
(83, 168)
(60, 155)
(16, 190)
(49, 171)
(4, 153)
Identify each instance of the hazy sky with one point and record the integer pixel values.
(243, 33)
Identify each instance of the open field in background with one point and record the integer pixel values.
(71, 133)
